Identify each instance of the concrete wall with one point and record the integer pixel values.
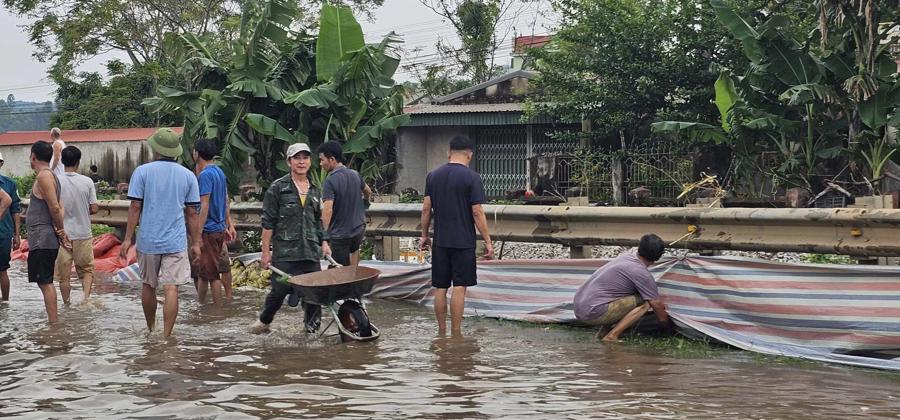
(115, 160)
(411, 162)
(420, 150)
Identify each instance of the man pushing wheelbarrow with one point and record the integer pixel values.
(293, 239)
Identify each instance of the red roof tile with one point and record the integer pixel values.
(11, 138)
(522, 43)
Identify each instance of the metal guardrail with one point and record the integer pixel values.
(848, 231)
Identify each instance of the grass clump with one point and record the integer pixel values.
(676, 345)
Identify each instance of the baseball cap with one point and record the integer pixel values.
(297, 148)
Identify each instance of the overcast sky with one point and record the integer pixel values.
(420, 28)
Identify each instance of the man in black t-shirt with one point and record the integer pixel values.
(344, 194)
(453, 196)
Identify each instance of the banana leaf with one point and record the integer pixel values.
(791, 65)
(740, 29)
(320, 97)
(809, 92)
(876, 110)
(269, 127)
(339, 33)
(366, 135)
(726, 96)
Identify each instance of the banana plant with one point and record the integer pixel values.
(278, 85)
(795, 97)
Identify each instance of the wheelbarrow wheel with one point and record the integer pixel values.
(362, 319)
(354, 319)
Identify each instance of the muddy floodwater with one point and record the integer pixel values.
(100, 362)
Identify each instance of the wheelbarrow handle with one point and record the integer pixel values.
(332, 261)
(282, 273)
(277, 271)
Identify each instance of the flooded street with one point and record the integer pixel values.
(100, 362)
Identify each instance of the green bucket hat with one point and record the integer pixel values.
(165, 142)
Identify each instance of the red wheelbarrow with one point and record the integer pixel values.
(340, 289)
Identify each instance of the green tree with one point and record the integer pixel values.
(23, 115)
(438, 80)
(277, 86)
(89, 102)
(805, 98)
(478, 24)
(66, 33)
(619, 64)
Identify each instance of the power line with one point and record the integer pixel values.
(3, 114)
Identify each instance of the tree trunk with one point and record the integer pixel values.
(617, 176)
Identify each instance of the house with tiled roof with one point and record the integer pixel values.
(116, 152)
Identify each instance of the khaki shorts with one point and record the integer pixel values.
(616, 310)
(164, 269)
(82, 254)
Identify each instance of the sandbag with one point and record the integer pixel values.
(106, 253)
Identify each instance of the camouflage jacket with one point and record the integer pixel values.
(297, 232)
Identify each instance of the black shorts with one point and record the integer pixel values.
(40, 265)
(5, 251)
(453, 267)
(341, 248)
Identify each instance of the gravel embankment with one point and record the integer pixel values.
(527, 251)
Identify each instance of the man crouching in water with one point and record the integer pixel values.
(292, 226)
(622, 291)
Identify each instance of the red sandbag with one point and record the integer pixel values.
(106, 254)
(21, 253)
(109, 262)
(105, 242)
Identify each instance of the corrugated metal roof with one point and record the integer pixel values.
(463, 109)
(460, 93)
(481, 114)
(11, 138)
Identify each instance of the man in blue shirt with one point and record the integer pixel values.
(213, 270)
(156, 190)
(10, 222)
(453, 196)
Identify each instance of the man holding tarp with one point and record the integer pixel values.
(622, 291)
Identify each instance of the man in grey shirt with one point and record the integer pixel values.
(79, 199)
(622, 291)
(343, 208)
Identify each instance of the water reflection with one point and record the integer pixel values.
(100, 361)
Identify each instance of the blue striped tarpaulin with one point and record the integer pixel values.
(834, 313)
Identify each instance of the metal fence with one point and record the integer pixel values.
(502, 154)
(661, 166)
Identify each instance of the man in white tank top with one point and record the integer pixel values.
(56, 164)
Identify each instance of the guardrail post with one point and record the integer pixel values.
(707, 203)
(875, 202)
(387, 248)
(579, 252)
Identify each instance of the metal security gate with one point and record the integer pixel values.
(500, 153)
